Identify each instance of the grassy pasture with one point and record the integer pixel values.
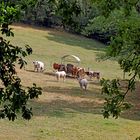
(64, 111)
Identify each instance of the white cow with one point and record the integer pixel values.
(38, 66)
(60, 74)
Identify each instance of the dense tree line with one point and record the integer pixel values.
(79, 16)
(71, 15)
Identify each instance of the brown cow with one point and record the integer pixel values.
(56, 66)
(74, 71)
(81, 72)
(59, 67)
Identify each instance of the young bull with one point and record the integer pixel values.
(83, 83)
(38, 66)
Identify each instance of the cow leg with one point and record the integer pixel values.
(57, 77)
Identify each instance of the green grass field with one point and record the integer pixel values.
(64, 111)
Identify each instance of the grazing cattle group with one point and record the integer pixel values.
(75, 71)
(70, 69)
(63, 70)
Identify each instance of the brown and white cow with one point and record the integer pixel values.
(78, 72)
(93, 74)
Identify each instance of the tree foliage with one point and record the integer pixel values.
(72, 15)
(126, 47)
(102, 28)
(13, 97)
(68, 9)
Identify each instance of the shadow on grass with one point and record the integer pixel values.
(64, 108)
(70, 101)
(45, 73)
(66, 102)
(134, 98)
(60, 87)
(74, 40)
(28, 70)
(53, 74)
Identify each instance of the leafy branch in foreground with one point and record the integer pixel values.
(13, 96)
(115, 101)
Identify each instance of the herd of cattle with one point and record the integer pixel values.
(69, 70)
(75, 71)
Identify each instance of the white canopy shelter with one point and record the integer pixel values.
(70, 58)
